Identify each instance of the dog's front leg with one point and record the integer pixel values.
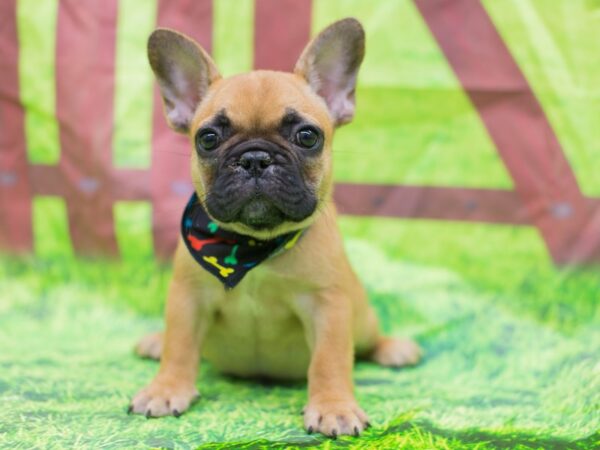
(187, 320)
(332, 408)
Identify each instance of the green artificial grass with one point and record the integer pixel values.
(496, 373)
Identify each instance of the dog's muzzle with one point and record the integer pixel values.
(255, 162)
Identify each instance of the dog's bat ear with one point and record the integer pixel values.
(330, 65)
(184, 72)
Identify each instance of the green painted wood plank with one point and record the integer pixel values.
(133, 227)
(233, 35)
(133, 85)
(36, 25)
(51, 228)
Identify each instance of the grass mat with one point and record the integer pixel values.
(492, 377)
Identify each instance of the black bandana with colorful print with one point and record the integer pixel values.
(225, 254)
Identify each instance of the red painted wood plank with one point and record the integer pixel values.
(126, 184)
(131, 184)
(427, 202)
(47, 180)
(515, 122)
(170, 173)
(15, 195)
(281, 31)
(423, 202)
(85, 63)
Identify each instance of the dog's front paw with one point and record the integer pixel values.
(163, 399)
(335, 417)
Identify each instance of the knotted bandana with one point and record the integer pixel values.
(227, 255)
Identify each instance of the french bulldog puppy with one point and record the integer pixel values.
(261, 284)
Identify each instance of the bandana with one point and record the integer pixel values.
(227, 255)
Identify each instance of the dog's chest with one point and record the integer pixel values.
(257, 330)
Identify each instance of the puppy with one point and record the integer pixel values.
(261, 284)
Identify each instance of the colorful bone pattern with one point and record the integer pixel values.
(223, 271)
(198, 244)
(230, 259)
(293, 240)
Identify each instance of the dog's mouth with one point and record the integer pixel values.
(265, 206)
(260, 214)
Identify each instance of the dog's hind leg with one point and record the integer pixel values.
(386, 351)
(150, 346)
(396, 352)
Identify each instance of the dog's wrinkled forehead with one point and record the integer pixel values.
(257, 102)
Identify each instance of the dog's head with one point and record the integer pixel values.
(261, 163)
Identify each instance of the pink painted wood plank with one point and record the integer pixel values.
(85, 66)
(281, 31)
(15, 195)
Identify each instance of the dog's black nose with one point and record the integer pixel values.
(255, 161)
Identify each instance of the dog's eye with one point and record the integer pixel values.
(207, 140)
(307, 137)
